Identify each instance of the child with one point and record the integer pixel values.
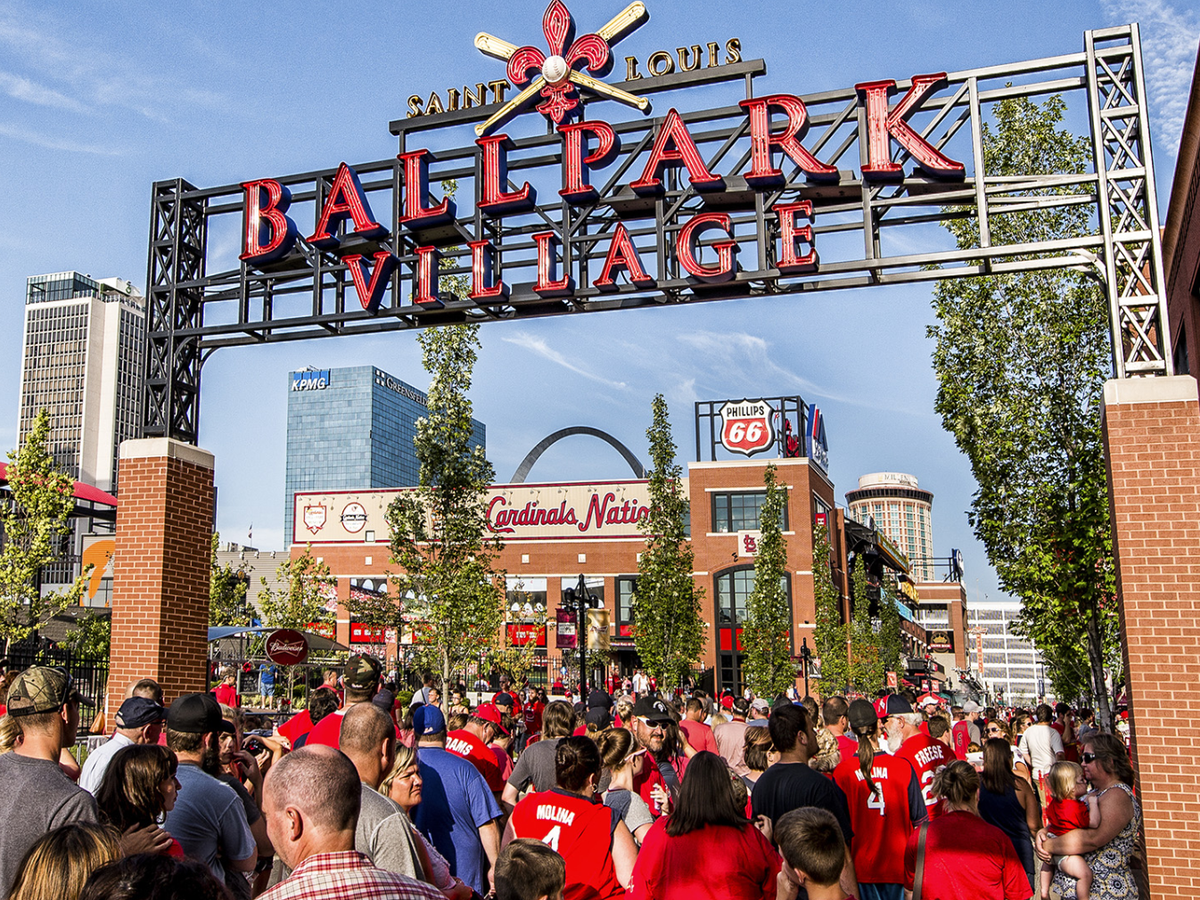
(529, 870)
(814, 854)
(1070, 807)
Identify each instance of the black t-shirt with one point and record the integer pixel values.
(787, 786)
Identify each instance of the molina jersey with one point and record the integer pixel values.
(580, 832)
(926, 755)
(882, 821)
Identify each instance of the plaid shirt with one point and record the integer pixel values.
(347, 875)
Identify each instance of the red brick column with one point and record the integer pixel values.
(161, 568)
(1152, 438)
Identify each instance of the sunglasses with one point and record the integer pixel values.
(1088, 757)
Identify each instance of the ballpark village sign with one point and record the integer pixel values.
(572, 212)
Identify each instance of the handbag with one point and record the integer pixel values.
(920, 872)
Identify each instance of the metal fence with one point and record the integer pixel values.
(90, 673)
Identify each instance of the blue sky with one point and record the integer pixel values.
(97, 101)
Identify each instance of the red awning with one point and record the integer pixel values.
(82, 491)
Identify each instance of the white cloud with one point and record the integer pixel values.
(541, 348)
(53, 143)
(1169, 40)
(20, 88)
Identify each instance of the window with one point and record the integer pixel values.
(739, 512)
(626, 585)
(733, 590)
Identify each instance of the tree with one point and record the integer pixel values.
(34, 529)
(92, 635)
(829, 633)
(889, 632)
(767, 631)
(303, 598)
(668, 627)
(439, 533)
(866, 673)
(227, 588)
(1021, 360)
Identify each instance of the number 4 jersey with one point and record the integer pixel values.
(580, 832)
(882, 819)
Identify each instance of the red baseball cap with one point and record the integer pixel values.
(489, 712)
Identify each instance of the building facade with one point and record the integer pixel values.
(902, 512)
(1011, 668)
(352, 428)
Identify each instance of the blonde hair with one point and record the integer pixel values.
(10, 734)
(59, 864)
(1060, 780)
(405, 757)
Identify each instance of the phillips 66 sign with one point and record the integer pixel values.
(746, 426)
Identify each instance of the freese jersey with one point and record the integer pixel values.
(580, 832)
(883, 821)
(926, 755)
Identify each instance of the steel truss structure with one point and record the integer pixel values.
(200, 300)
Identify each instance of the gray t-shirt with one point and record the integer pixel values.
(536, 764)
(209, 821)
(385, 835)
(633, 809)
(37, 797)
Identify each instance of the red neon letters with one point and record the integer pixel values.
(682, 150)
(345, 200)
(686, 246)
(762, 170)
(267, 233)
(494, 199)
(882, 126)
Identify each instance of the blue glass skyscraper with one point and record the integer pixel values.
(351, 429)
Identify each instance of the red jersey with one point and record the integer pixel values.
(1066, 815)
(463, 743)
(533, 716)
(994, 870)
(580, 832)
(926, 755)
(716, 862)
(699, 735)
(960, 737)
(644, 783)
(227, 694)
(848, 746)
(329, 730)
(883, 821)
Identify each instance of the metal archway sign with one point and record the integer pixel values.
(571, 213)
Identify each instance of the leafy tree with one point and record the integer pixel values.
(92, 635)
(439, 533)
(227, 592)
(767, 631)
(302, 598)
(829, 634)
(1021, 360)
(668, 628)
(866, 673)
(34, 529)
(890, 646)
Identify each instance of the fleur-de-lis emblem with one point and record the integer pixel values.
(557, 76)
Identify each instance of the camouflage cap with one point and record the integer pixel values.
(362, 672)
(40, 689)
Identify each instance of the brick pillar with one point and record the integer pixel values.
(161, 568)
(1152, 440)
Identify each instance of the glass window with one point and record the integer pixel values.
(733, 588)
(626, 585)
(740, 512)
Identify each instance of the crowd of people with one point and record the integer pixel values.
(521, 796)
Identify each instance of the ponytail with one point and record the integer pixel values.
(866, 755)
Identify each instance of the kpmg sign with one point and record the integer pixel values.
(310, 380)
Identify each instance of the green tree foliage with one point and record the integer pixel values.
(227, 592)
(767, 632)
(1021, 361)
(668, 627)
(34, 530)
(866, 671)
(305, 588)
(890, 646)
(829, 634)
(92, 635)
(439, 535)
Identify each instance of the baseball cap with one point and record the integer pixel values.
(862, 714)
(652, 710)
(928, 700)
(138, 711)
(598, 715)
(40, 689)
(740, 706)
(503, 698)
(361, 672)
(726, 702)
(971, 706)
(428, 720)
(759, 703)
(490, 712)
(385, 700)
(197, 714)
(896, 705)
(599, 700)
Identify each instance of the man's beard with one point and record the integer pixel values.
(893, 742)
(212, 758)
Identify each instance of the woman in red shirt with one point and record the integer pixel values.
(591, 838)
(706, 849)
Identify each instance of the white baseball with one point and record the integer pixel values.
(554, 70)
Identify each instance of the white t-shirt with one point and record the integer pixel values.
(1041, 745)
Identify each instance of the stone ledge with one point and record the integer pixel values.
(1172, 389)
(168, 448)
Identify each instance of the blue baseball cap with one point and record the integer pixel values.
(428, 719)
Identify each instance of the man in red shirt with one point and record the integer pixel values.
(834, 713)
(925, 754)
(471, 743)
(699, 735)
(648, 727)
(361, 678)
(226, 691)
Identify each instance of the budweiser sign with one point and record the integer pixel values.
(286, 647)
